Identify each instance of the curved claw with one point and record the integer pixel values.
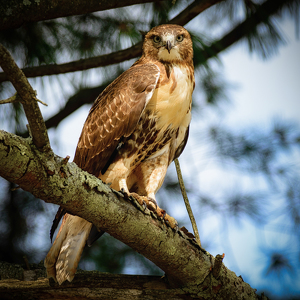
(142, 200)
(145, 205)
(122, 190)
(164, 215)
(176, 226)
(161, 213)
(153, 201)
(126, 194)
(171, 222)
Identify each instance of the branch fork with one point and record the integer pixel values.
(27, 96)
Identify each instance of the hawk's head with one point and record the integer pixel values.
(168, 43)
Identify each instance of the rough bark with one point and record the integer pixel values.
(31, 284)
(51, 178)
(15, 13)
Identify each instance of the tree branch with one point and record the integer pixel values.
(15, 13)
(192, 11)
(82, 64)
(27, 96)
(86, 285)
(50, 178)
(84, 96)
(261, 14)
(115, 57)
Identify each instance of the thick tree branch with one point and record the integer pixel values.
(86, 285)
(15, 13)
(261, 14)
(82, 97)
(28, 99)
(82, 64)
(47, 177)
(192, 11)
(18, 282)
(116, 57)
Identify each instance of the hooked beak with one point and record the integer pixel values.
(169, 46)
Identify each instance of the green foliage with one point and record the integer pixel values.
(278, 263)
(265, 39)
(256, 151)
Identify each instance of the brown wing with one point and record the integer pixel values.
(114, 115)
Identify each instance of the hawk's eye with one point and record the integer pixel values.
(179, 38)
(156, 39)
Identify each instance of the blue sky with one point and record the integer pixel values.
(262, 90)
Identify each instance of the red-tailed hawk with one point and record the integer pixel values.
(137, 126)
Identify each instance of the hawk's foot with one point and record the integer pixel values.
(171, 222)
(167, 218)
(148, 202)
(151, 204)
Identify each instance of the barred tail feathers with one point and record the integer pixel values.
(62, 260)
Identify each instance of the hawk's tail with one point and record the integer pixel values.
(62, 260)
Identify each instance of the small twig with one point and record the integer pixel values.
(38, 100)
(217, 265)
(186, 201)
(15, 98)
(11, 99)
(42, 102)
(65, 160)
(29, 130)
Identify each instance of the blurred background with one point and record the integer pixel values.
(241, 165)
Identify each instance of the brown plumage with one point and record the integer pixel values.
(137, 126)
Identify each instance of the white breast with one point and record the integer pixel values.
(171, 104)
(172, 101)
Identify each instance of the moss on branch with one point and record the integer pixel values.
(51, 178)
